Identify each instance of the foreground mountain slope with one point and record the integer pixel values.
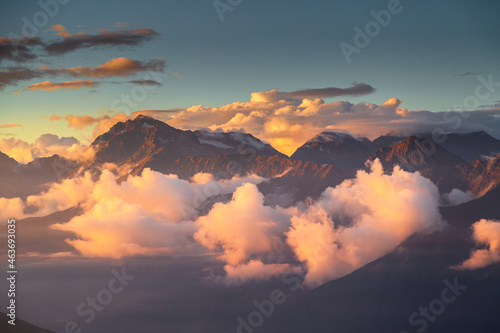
(20, 327)
(381, 296)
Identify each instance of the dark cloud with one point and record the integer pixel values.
(22, 49)
(12, 75)
(145, 82)
(357, 89)
(18, 49)
(117, 67)
(104, 39)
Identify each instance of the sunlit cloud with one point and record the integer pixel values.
(10, 125)
(486, 234)
(361, 220)
(46, 145)
(53, 86)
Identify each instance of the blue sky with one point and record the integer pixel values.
(262, 45)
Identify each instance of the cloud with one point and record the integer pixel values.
(24, 49)
(361, 220)
(60, 30)
(155, 214)
(105, 38)
(12, 75)
(122, 25)
(145, 82)
(46, 145)
(18, 49)
(357, 89)
(457, 197)
(254, 270)
(116, 67)
(288, 123)
(53, 86)
(486, 233)
(102, 123)
(9, 125)
(145, 215)
(258, 230)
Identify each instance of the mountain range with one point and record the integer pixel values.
(409, 277)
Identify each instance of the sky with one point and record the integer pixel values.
(429, 55)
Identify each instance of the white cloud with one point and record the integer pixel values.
(485, 233)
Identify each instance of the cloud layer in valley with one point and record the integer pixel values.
(155, 214)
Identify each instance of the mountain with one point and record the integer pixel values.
(416, 154)
(471, 146)
(382, 295)
(233, 143)
(443, 168)
(484, 175)
(146, 142)
(20, 180)
(6, 163)
(339, 149)
(388, 140)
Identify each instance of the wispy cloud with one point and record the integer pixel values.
(117, 67)
(52, 86)
(357, 89)
(18, 49)
(24, 49)
(105, 38)
(9, 125)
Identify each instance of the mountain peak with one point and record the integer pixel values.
(415, 153)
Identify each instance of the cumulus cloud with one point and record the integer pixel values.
(361, 220)
(288, 123)
(486, 233)
(46, 145)
(145, 215)
(154, 214)
(242, 228)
